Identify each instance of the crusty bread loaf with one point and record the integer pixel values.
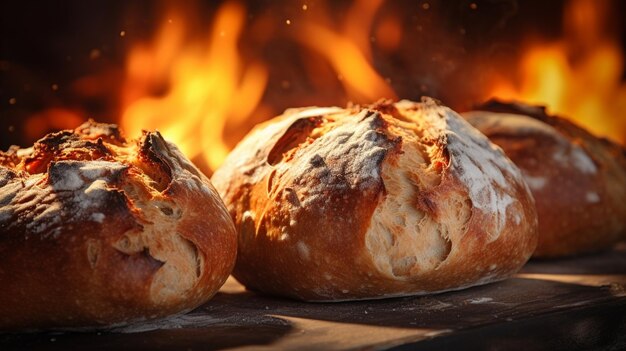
(97, 231)
(577, 179)
(370, 202)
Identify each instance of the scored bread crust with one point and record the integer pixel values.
(97, 231)
(391, 199)
(578, 180)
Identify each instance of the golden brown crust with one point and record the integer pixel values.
(314, 195)
(96, 231)
(577, 179)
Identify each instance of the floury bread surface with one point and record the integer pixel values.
(97, 230)
(578, 180)
(391, 199)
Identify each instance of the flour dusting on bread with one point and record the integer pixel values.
(578, 180)
(368, 202)
(130, 230)
(484, 168)
(405, 239)
(356, 150)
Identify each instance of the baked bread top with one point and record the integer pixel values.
(578, 180)
(367, 202)
(98, 230)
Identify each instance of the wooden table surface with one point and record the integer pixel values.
(577, 303)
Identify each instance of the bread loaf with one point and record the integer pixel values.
(577, 179)
(391, 199)
(98, 231)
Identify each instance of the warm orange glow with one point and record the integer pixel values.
(358, 24)
(361, 81)
(389, 33)
(54, 118)
(349, 52)
(191, 90)
(207, 83)
(578, 77)
(204, 88)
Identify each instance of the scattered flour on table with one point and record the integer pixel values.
(174, 322)
(480, 300)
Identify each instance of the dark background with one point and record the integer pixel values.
(51, 52)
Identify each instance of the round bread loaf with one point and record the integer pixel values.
(577, 179)
(98, 231)
(369, 202)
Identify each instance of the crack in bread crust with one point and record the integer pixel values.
(390, 199)
(129, 230)
(422, 217)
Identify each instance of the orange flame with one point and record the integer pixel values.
(578, 77)
(208, 84)
(198, 91)
(349, 52)
(54, 118)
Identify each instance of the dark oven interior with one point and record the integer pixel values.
(204, 73)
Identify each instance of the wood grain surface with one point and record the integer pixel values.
(577, 303)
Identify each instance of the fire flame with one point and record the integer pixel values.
(209, 84)
(578, 77)
(349, 51)
(198, 87)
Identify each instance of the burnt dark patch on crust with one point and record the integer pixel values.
(387, 106)
(317, 161)
(6, 175)
(151, 148)
(54, 141)
(168, 156)
(85, 143)
(377, 121)
(166, 210)
(292, 197)
(64, 145)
